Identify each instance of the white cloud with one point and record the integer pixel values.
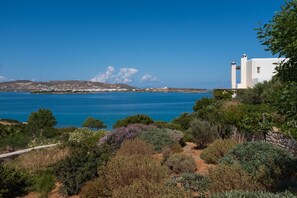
(125, 75)
(2, 79)
(148, 78)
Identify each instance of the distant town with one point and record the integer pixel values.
(75, 86)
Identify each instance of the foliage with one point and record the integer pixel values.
(118, 135)
(203, 132)
(19, 140)
(44, 183)
(38, 160)
(40, 120)
(223, 94)
(203, 103)
(123, 170)
(161, 138)
(135, 119)
(142, 188)
(225, 178)
(167, 125)
(183, 120)
(279, 36)
(80, 166)
(92, 189)
(252, 194)
(93, 123)
(218, 149)
(168, 151)
(13, 182)
(272, 167)
(192, 182)
(136, 147)
(84, 134)
(181, 163)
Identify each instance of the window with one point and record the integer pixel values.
(258, 70)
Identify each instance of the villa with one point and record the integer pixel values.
(253, 71)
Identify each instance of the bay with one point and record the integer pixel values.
(73, 109)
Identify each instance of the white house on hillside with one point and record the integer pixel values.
(253, 71)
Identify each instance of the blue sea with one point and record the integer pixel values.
(73, 109)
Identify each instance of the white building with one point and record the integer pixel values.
(253, 71)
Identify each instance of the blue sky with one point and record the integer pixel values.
(174, 43)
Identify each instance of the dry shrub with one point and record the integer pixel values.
(181, 163)
(218, 149)
(226, 178)
(38, 160)
(95, 188)
(136, 147)
(176, 148)
(148, 189)
(122, 170)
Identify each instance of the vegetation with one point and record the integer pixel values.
(40, 120)
(93, 123)
(203, 132)
(279, 36)
(181, 163)
(252, 194)
(136, 147)
(135, 119)
(218, 149)
(272, 167)
(231, 177)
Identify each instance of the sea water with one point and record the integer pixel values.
(73, 109)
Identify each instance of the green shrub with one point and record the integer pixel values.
(44, 183)
(85, 134)
(248, 194)
(16, 141)
(225, 178)
(183, 120)
(80, 166)
(161, 138)
(271, 166)
(218, 149)
(136, 147)
(123, 170)
(203, 132)
(193, 182)
(135, 119)
(167, 125)
(13, 183)
(181, 163)
(149, 189)
(168, 151)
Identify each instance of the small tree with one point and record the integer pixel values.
(135, 119)
(93, 123)
(40, 120)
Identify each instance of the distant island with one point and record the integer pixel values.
(77, 86)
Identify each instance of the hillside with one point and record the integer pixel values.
(61, 86)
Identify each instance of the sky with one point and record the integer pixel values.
(144, 43)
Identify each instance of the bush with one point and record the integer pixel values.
(203, 132)
(80, 167)
(117, 136)
(168, 151)
(91, 189)
(183, 120)
(247, 194)
(146, 189)
(225, 178)
(193, 182)
(86, 135)
(13, 183)
(124, 170)
(44, 183)
(19, 140)
(271, 166)
(136, 147)
(93, 123)
(161, 138)
(218, 149)
(135, 119)
(167, 125)
(181, 163)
